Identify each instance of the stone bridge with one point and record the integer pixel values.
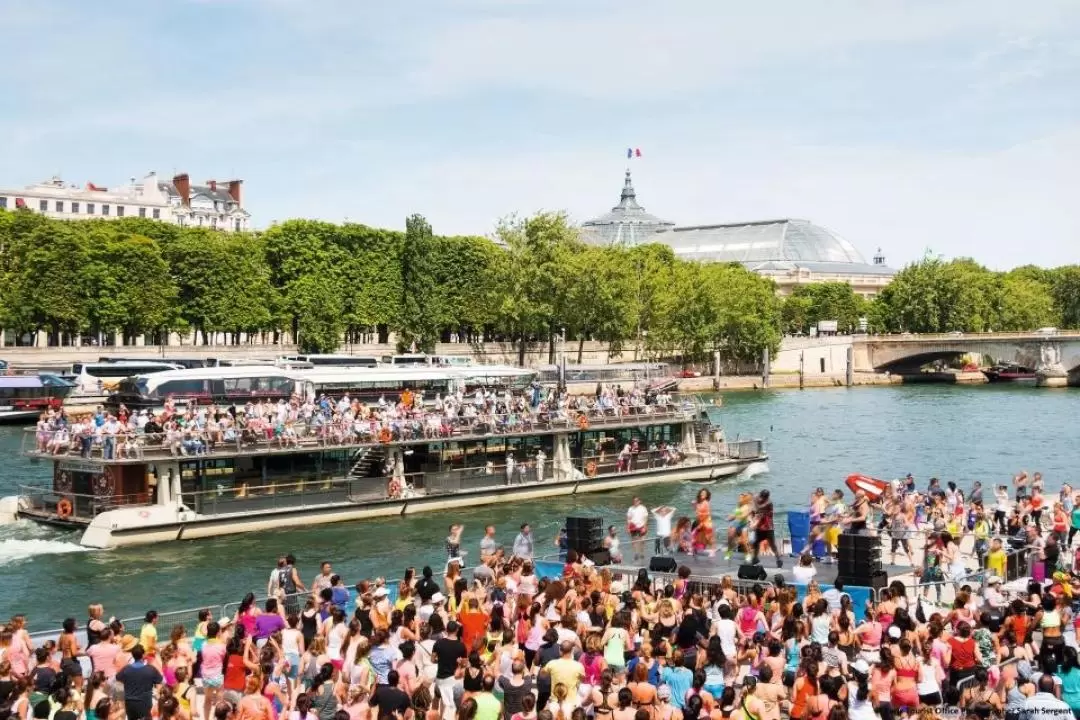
(1055, 357)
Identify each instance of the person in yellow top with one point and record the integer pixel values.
(996, 558)
(982, 535)
(148, 634)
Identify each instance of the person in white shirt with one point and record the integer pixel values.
(1044, 705)
(663, 515)
(805, 571)
(637, 524)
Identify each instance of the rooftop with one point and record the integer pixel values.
(764, 246)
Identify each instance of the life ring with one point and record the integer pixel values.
(384, 435)
(590, 468)
(582, 422)
(63, 508)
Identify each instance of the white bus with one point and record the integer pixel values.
(335, 360)
(101, 378)
(431, 360)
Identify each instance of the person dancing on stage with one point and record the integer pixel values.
(703, 511)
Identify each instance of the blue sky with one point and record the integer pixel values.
(945, 125)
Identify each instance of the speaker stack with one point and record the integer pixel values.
(586, 537)
(859, 561)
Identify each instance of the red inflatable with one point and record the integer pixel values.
(871, 486)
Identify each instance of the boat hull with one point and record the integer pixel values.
(154, 524)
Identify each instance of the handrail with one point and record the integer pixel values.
(259, 434)
(1001, 335)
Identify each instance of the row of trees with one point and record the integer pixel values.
(537, 284)
(933, 295)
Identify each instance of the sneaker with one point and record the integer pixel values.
(727, 555)
(779, 562)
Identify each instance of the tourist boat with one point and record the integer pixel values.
(1009, 372)
(27, 396)
(872, 487)
(160, 492)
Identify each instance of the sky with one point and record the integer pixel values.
(942, 126)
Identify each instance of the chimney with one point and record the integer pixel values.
(234, 191)
(183, 186)
(212, 184)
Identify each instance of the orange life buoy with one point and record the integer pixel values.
(583, 422)
(590, 468)
(63, 508)
(384, 435)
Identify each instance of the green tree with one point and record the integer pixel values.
(1025, 303)
(601, 297)
(1065, 288)
(318, 308)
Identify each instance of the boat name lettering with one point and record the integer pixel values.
(79, 466)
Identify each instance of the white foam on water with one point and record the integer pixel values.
(25, 539)
(753, 470)
(17, 550)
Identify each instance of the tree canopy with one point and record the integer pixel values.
(535, 283)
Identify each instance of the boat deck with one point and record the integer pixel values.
(139, 448)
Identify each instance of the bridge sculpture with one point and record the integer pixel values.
(1054, 356)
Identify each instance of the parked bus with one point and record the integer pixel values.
(101, 378)
(184, 362)
(430, 360)
(335, 360)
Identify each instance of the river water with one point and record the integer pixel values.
(815, 437)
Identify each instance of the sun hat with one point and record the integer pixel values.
(128, 642)
(861, 666)
(894, 633)
(437, 598)
(993, 580)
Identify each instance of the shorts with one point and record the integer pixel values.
(905, 699)
(715, 690)
(213, 681)
(338, 663)
(294, 665)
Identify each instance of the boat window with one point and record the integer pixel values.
(238, 384)
(181, 387)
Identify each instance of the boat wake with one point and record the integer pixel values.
(752, 470)
(23, 540)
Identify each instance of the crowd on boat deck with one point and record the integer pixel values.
(198, 429)
(498, 642)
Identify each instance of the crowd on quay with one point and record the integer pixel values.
(195, 429)
(499, 642)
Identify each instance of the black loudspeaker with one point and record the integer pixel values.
(749, 571)
(1014, 566)
(876, 580)
(858, 556)
(600, 557)
(584, 535)
(663, 564)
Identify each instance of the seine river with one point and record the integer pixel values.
(815, 437)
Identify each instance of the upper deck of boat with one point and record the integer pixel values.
(264, 439)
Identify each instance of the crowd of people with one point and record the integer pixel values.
(500, 642)
(194, 429)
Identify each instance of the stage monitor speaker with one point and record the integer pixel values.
(600, 557)
(751, 571)
(663, 564)
(1014, 566)
(864, 568)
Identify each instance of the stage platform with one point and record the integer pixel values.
(703, 567)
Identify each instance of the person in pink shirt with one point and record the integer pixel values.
(213, 666)
(103, 654)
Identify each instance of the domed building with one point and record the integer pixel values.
(791, 252)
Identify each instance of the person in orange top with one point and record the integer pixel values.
(407, 398)
(474, 623)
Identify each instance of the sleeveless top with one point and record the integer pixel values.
(615, 650)
(92, 635)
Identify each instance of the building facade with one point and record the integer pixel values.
(790, 251)
(215, 205)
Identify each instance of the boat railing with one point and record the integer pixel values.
(264, 437)
(46, 501)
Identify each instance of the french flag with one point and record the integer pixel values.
(633, 152)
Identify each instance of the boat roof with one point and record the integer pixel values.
(130, 363)
(362, 374)
(34, 381)
(222, 371)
